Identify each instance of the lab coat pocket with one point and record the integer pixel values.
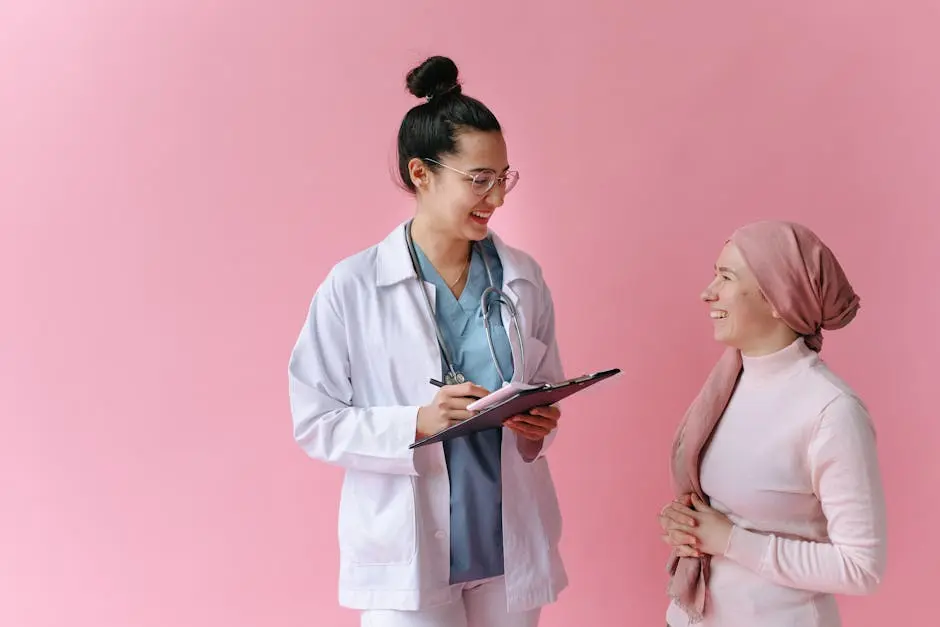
(377, 523)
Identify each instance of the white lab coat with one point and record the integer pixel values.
(358, 374)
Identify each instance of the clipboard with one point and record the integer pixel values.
(519, 403)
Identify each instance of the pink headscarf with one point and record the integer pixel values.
(806, 286)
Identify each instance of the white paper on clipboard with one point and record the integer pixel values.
(494, 398)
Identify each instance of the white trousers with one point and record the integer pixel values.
(481, 604)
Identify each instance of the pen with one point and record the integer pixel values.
(441, 384)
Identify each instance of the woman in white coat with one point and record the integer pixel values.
(463, 533)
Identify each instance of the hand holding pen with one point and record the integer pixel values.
(448, 407)
(533, 426)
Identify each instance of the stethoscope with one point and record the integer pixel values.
(452, 376)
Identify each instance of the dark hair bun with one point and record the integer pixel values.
(435, 77)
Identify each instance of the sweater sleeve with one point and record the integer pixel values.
(847, 480)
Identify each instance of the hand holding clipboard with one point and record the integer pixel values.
(535, 424)
(521, 401)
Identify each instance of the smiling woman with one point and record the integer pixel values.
(452, 155)
(771, 546)
(742, 315)
(422, 531)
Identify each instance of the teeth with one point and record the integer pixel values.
(719, 314)
(482, 215)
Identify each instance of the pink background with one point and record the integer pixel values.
(176, 177)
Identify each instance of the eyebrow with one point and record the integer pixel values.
(477, 170)
(726, 270)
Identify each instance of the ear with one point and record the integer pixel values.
(420, 173)
(773, 312)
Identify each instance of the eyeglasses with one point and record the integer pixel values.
(482, 182)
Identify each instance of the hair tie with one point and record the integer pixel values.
(446, 91)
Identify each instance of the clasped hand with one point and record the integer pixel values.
(449, 406)
(693, 528)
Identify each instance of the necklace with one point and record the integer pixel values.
(460, 276)
(452, 376)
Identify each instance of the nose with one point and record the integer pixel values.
(494, 198)
(709, 294)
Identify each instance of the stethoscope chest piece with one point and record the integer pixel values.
(454, 378)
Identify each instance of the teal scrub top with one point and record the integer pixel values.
(473, 461)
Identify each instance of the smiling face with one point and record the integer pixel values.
(447, 197)
(741, 315)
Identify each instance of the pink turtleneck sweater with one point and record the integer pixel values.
(793, 464)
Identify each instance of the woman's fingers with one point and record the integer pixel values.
(677, 518)
(550, 411)
(525, 430)
(458, 415)
(546, 424)
(466, 390)
(677, 537)
(681, 510)
(681, 537)
(671, 516)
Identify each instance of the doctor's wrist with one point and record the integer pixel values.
(529, 449)
(420, 419)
